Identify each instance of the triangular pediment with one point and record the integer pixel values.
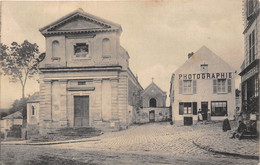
(153, 87)
(204, 56)
(79, 22)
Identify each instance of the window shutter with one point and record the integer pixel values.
(229, 86)
(181, 108)
(194, 86)
(194, 104)
(180, 86)
(214, 86)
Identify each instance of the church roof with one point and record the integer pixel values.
(155, 86)
(79, 22)
(16, 115)
(34, 98)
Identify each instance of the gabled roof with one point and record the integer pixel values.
(34, 98)
(79, 22)
(205, 56)
(155, 86)
(16, 115)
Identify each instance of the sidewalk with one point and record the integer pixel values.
(24, 142)
(219, 142)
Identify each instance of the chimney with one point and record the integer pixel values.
(136, 77)
(190, 54)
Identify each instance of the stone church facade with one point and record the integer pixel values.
(85, 79)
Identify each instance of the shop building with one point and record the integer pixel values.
(85, 79)
(250, 66)
(203, 84)
(153, 107)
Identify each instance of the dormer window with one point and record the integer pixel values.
(204, 68)
(81, 50)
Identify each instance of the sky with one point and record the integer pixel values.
(158, 35)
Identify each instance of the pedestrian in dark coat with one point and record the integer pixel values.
(226, 125)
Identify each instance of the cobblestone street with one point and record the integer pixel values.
(155, 143)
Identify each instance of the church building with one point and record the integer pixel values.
(203, 84)
(153, 107)
(85, 79)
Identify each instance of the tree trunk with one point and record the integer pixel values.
(23, 87)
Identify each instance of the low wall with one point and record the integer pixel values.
(160, 114)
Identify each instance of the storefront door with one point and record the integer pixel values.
(81, 111)
(204, 110)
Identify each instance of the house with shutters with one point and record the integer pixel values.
(85, 79)
(203, 84)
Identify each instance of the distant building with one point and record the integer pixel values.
(203, 84)
(85, 79)
(153, 105)
(12, 120)
(250, 66)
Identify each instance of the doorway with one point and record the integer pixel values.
(204, 110)
(151, 116)
(81, 111)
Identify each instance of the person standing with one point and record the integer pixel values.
(200, 118)
(226, 124)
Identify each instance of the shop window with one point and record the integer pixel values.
(218, 108)
(33, 111)
(106, 47)
(188, 108)
(81, 50)
(152, 102)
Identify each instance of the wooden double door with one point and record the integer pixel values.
(81, 111)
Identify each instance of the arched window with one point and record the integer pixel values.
(55, 49)
(152, 102)
(106, 47)
(33, 111)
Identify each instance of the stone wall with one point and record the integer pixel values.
(161, 114)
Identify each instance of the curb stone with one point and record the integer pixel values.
(206, 148)
(51, 143)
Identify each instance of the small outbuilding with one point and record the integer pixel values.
(11, 125)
